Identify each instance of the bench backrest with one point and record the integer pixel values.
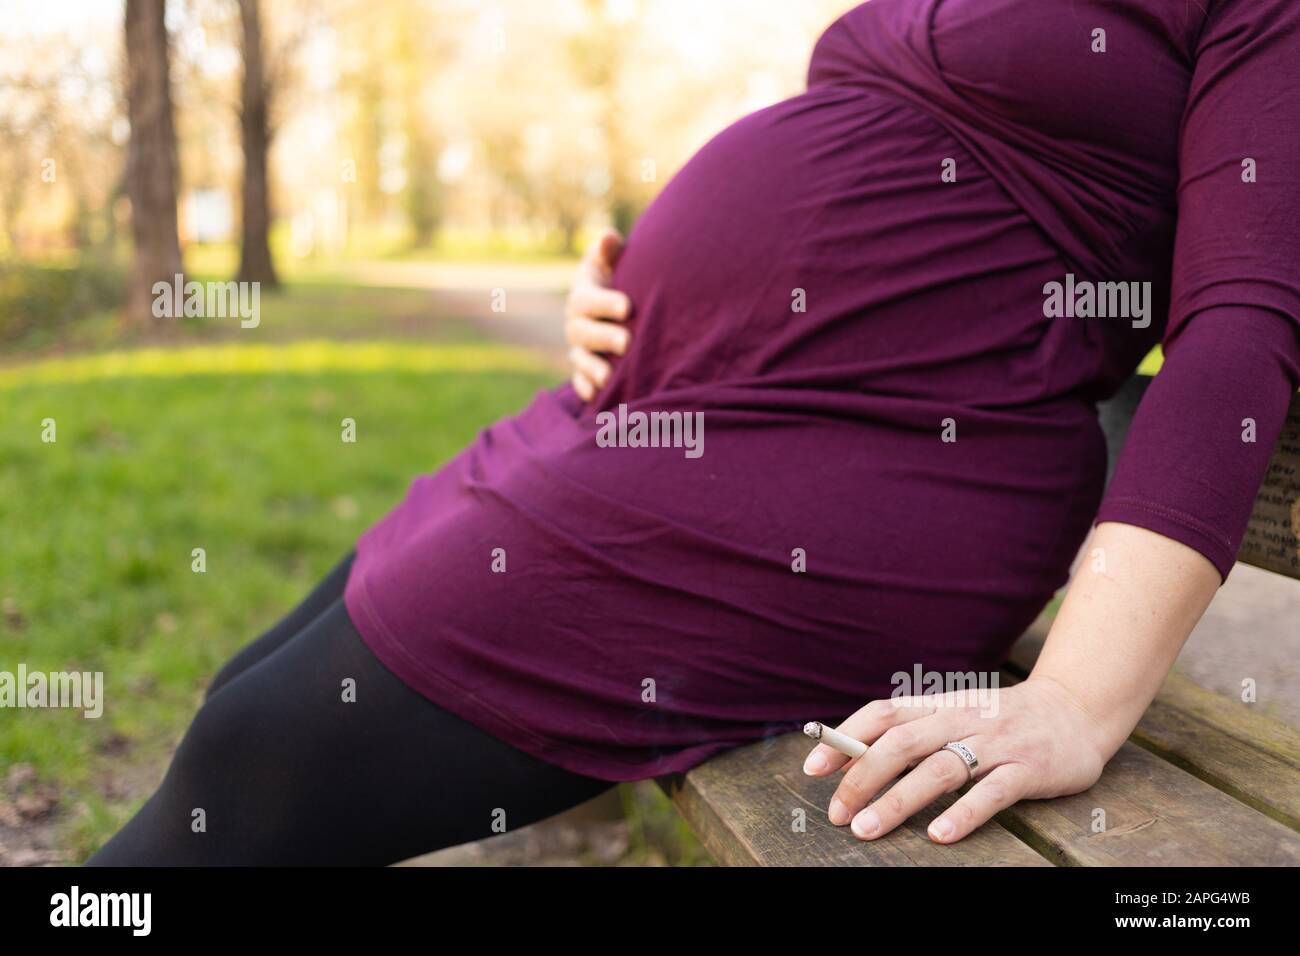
(1272, 539)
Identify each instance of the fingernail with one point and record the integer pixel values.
(816, 763)
(941, 829)
(866, 824)
(838, 813)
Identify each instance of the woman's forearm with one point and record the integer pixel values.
(1130, 608)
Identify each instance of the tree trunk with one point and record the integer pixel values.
(255, 256)
(151, 157)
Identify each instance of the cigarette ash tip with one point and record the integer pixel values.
(813, 729)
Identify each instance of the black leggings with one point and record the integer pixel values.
(279, 767)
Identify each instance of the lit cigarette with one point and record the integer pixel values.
(833, 738)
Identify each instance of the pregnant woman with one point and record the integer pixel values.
(851, 292)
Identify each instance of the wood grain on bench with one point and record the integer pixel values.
(1203, 781)
(742, 806)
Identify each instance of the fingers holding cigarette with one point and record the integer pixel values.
(835, 750)
(842, 745)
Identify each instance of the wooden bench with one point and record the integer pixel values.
(1203, 780)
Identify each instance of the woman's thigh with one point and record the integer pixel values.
(319, 600)
(318, 755)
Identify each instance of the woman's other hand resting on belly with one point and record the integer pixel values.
(1133, 602)
(589, 314)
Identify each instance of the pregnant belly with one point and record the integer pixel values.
(817, 242)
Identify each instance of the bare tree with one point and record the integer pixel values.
(255, 263)
(151, 156)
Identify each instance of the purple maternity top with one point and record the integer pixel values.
(900, 450)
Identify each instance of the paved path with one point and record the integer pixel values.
(533, 295)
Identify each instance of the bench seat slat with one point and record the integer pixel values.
(741, 805)
(1155, 815)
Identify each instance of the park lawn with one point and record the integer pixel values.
(319, 305)
(99, 526)
(221, 259)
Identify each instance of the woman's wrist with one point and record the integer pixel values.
(1108, 727)
(1127, 613)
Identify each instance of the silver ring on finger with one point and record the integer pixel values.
(967, 757)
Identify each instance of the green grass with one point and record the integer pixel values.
(99, 527)
(71, 303)
(220, 260)
(317, 306)
(208, 443)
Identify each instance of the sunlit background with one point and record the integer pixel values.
(395, 127)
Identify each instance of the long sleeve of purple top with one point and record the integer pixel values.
(1232, 347)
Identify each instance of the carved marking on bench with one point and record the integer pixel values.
(1124, 829)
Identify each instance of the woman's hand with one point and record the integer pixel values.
(589, 314)
(1129, 608)
(1032, 740)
